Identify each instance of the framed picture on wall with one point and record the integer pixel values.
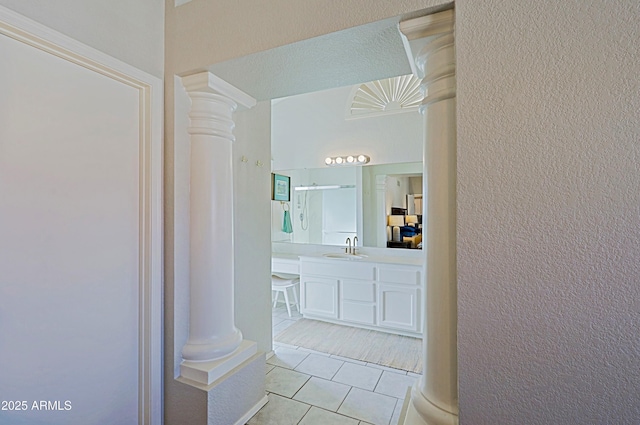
(280, 187)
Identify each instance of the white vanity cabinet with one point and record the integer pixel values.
(322, 281)
(370, 294)
(399, 297)
(319, 296)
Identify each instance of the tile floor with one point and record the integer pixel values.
(308, 387)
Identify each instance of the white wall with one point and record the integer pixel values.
(310, 127)
(397, 189)
(252, 208)
(177, 298)
(132, 31)
(548, 211)
(70, 253)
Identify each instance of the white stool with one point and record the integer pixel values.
(281, 284)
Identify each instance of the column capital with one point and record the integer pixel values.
(428, 26)
(429, 44)
(206, 82)
(213, 102)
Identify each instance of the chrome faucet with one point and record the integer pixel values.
(355, 242)
(348, 249)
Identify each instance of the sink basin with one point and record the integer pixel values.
(344, 255)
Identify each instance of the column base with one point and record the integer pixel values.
(205, 373)
(230, 400)
(417, 410)
(215, 350)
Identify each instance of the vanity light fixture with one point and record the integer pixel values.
(347, 160)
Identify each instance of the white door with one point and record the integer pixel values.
(75, 240)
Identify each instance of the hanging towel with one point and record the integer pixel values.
(286, 224)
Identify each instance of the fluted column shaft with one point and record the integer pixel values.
(212, 332)
(434, 399)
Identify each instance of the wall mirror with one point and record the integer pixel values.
(332, 202)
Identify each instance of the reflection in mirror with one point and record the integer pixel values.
(323, 206)
(331, 204)
(308, 128)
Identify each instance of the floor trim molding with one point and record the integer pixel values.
(244, 419)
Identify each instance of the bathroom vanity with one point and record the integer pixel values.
(379, 293)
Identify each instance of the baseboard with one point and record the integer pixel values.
(405, 406)
(244, 419)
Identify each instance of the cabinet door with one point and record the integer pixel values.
(319, 296)
(398, 307)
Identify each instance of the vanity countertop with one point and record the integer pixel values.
(282, 256)
(387, 259)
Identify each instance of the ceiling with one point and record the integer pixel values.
(353, 56)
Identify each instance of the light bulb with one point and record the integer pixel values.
(350, 158)
(361, 158)
(339, 160)
(328, 160)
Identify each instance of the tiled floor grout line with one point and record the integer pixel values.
(305, 413)
(336, 372)
(319, 407)
(344, 361)
(305, 383)
(342, 402)
(377, 383)
(351, 387)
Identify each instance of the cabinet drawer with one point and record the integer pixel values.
(354, 290)
(404, 275)
(341, 269)
(358, 312)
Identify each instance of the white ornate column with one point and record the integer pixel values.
(430, 42)
(214, 346)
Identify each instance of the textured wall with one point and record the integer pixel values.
(203, 32)
(548, 212)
